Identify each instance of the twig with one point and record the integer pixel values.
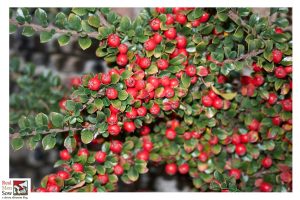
(39, 28)
(65, 129)
(245, 56)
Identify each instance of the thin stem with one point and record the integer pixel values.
(39, 28)
(245, 56)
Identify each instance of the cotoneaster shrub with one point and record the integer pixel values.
(205, 92)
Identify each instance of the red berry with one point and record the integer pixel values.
(160, 10)
(176, 10)
(217, 103)
(150, 45)
(236, 173)
(207, 101)
(122, 60)
(118, 170)
(154, 81)
(272, 98)
(113, 110)
(181, 18)
(280, 72)
(155, 24)
(64, 155)
(111, 93)
(143, 155)
(256, 67)
(76, 81)
(77, 167)
(183, 168)
(191, 70)
(174, 82)
(181, 42)
(100, 156)
(147, 146)
(83, 152)
(53, 188)
(162, 64)
(169, 92)
(63, 174)
(106, 78)
(145, 130)
(170, 19)
(144, 63)
(170, 134)
(204, 17)
(266, 162)
(203, 157)
(196, 23)
(244, 138)
(157, 38)
(203, 71)
(103, 178)
(240, 149)
(114, 129)
(171, 168)
(129, 126)
(265, 187)
(123, 48)
(113, 40)
(62, 103)
(170, 33)
(276, 121)
(277, 56)
(258, 80)
(116, 146)
(236, 139)
(142, 111)
(254, 126)
(94, 84)
(187, 135)
(132, 91)
(40, 189)
(132, 114)
(130, 82)
(112, 119)
(287, 105)
(52, 179)
(288, 69)
(155, 109)
(221, 79)
(278, 30)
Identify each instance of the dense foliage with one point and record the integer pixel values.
(205, 92)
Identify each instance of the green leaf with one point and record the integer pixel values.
(80, 11)
(23, 122)
(28, 31)
(94, 21)
(63, 40)
(48, 142)
(227, 96)
(126, 74)
(12, 28)
(74, 22)
(70, 143)
(122, 95)
(41, 17)
(195, 14)
(84, 43)
(87, 136)
(41, 120)
(45, 36)
(178, 60)
(17, 143)
(185, 80)
(60, 20)
(152, 70)
(125, 24)
(57, 120)
(133, 174)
